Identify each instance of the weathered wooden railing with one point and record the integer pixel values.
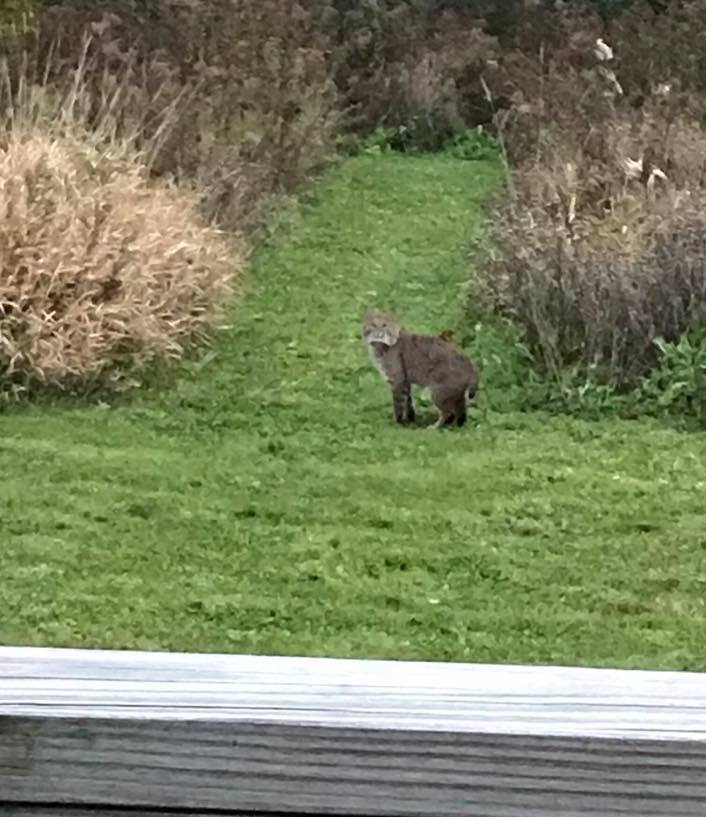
(95, 733)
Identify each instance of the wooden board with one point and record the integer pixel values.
(71, 811)
(218, 734)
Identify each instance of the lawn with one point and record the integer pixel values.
(264, 501)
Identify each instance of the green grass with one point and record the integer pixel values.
(265, 501)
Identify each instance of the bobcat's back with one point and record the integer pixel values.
(431, 361)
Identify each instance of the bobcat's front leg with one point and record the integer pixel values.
(411, 416)
(402, 401)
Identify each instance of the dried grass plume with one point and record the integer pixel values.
(100, 269)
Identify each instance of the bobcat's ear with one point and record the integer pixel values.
(368, 314)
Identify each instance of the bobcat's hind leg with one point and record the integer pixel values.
(461, 411)
(409, 408)
(444, 421)
(446, 406)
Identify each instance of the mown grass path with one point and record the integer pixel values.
(265, 501)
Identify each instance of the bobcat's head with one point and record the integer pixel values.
(380, 327)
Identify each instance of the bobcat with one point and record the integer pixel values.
(405, 359)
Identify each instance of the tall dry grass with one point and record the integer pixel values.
(102, 269)
(600, 242)
(125, 132)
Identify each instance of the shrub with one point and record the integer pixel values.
(247, 87)
(16, 15)
(550, 80)
(412, 68)
(593, 295)
(600, 244)
(662, 47)
(677, 386)
(473, 145)
(100, 271)
(468, 144)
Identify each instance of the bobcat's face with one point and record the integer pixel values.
(380, 327)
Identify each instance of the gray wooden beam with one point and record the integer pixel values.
(70, 811)
(214, 734)
(13, 810)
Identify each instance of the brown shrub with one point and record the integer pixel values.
(99, 269)
(240, 94)
(560, 90)
(274, 79)
(600, 244)
(666, 47)
(413, 65)
(15, 15)
(594, 270)
(550, 79)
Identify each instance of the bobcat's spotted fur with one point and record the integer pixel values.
(405, 359)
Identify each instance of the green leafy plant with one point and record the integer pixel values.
(678, 385)
(377, 142)
(470, 144)
(473, 144)
(579, 394)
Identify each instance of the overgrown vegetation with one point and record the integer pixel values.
(267, 503)
(101, 269)
(599, 110)
(241, 94)
(599, 242)
(235, 103)
(101, 272)
(258, 497)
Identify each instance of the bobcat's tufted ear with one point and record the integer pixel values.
(367, 316)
